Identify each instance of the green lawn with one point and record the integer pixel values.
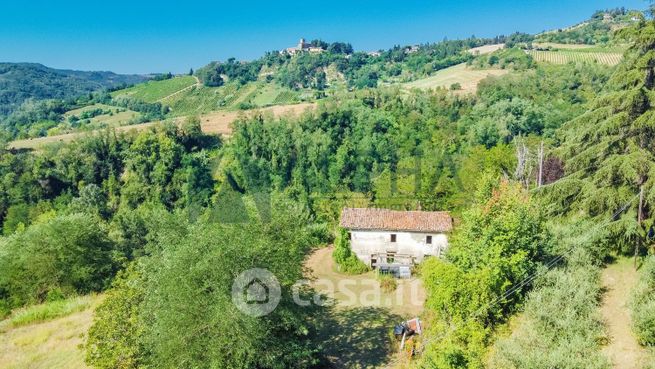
(153, 91)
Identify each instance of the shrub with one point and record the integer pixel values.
(643, 305)
(116, 336)
(561, 326)
(69, 254)
(182, 296)
(387, 283)
(347, 261)
(498, 244)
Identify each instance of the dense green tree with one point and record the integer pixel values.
(608, 151)
(69, 254)
(196, 312)
(499, 243)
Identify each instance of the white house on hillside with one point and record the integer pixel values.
(384, 238)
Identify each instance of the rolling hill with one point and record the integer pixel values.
(22, 81)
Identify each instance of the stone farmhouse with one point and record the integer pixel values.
(390, 239)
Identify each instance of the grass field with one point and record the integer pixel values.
(153, 91)
(274, 95)
(186, 96)
(119, 116)
(467, 77)
(581, 55)
(47, 336)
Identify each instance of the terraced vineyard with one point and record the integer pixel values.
(186, 97)
(153, 91)
(567, 56)
(285, 97)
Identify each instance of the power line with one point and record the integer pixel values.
(524, 282)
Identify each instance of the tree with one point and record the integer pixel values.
(346, 260)
(499, 243)
(116, 336)
(182, 295)
(68, 254)
(609, 150)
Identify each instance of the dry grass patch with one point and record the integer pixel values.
(468, 78)
(486, 49)
(52, 344)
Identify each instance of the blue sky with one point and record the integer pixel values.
(158, 36)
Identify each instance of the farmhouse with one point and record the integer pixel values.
(384, 238)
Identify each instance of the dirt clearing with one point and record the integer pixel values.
(356, 330)
(54, 344)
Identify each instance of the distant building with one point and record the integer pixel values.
(411, 49)
(384, 238)
(374, 54)
(302, 47)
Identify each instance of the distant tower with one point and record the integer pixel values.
(301, 45)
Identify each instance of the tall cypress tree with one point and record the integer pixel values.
(610, 150)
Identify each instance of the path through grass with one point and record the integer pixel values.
(623, 349)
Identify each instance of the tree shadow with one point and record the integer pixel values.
(359, 337)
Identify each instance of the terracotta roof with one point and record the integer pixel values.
(391, 220)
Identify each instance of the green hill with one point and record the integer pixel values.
(22, 81)
(596, 30)
(185, 96)
(153, 91)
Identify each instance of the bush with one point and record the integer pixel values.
(498, 244)
(116, 336)
(643, 305)
(68, 254)
(182, 296)
(388, 283)
(347, 261)
(561, 326)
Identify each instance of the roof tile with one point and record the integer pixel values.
(392, 220)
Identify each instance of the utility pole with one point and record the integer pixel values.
(639, 220)
(541, 165)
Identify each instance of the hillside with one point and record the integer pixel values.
(595, 31)
(237, 218)
(23, 81)
(185, 95)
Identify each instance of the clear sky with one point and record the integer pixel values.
(159, 36)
